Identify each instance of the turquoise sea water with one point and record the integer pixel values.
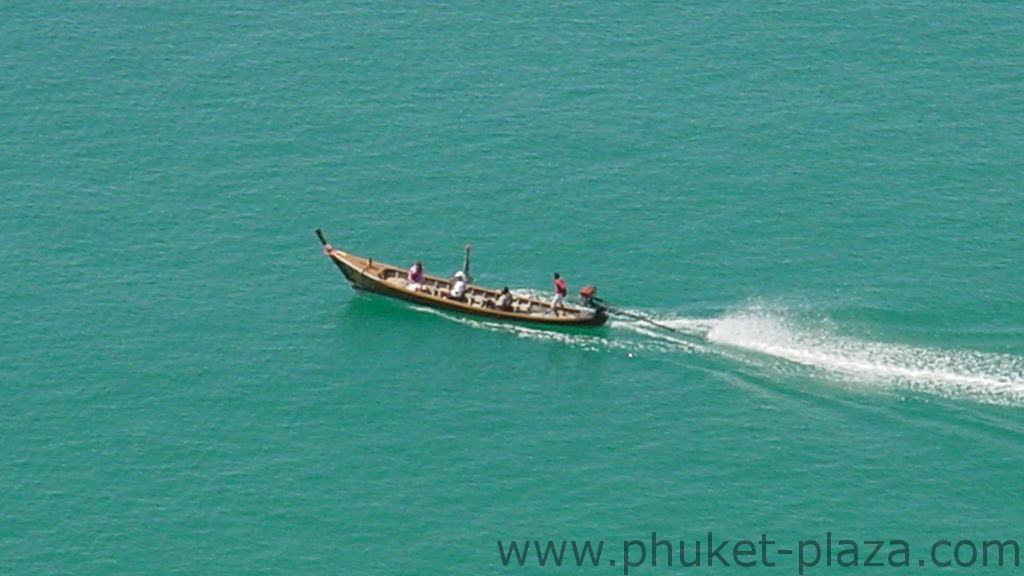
(829, 193)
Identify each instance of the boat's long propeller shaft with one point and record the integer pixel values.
(613, 310)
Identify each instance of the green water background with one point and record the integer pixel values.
(829, 191)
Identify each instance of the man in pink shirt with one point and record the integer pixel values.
(415, 277)
(560, 291)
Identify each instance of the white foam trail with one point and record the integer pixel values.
(587, 342)
(759, 333)
(994, 378)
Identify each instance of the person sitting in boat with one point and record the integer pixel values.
(458, 289)
(504, 301)
(415, 279)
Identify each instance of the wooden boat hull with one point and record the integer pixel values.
(388, 280)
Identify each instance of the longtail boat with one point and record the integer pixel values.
(378, 277)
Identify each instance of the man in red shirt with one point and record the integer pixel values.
(560, 291)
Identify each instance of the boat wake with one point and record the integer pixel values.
(768, 337)
(778, 342)
(645, 342)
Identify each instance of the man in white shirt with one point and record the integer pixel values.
(458, 290)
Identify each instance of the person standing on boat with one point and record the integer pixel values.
(415, 281)
(558, 303)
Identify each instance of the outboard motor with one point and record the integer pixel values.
(588, 298)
